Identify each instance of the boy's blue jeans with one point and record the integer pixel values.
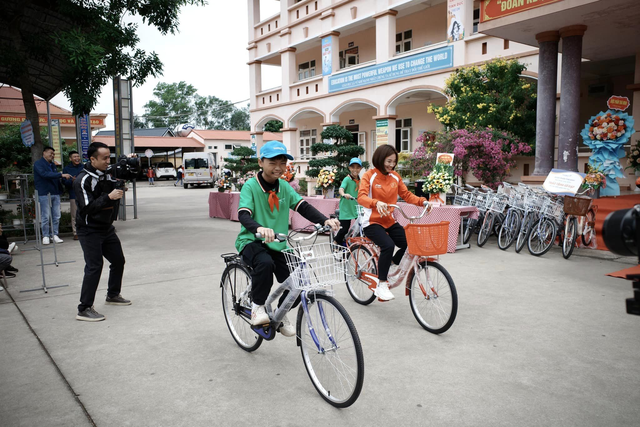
(46, 211)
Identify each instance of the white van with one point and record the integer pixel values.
(199, 168)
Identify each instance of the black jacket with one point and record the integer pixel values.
(96, 211)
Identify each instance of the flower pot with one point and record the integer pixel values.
(328, 192)
(438, 199)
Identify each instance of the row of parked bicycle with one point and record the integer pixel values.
(524, 214)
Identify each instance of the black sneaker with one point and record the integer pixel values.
(8, 274)
(11, 268)
(118, 300)
(89, 315)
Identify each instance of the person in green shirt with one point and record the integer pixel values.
(264, 208)
(348, 203)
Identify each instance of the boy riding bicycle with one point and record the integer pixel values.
(264, 208)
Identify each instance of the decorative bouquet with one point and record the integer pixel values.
(223, 184)
(439, 180)
(607, 127)
(289, 174)
(325, 179)
(633, 159)
(594, 180)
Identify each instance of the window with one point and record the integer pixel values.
(306, 70)
(196, 163)
(476, 19)
(506, 44)
(403, 135)
(349, 57)
(362, 140)
(210, 147)
(307, 139)
(403, 41)
(484, 48)
(228, 147)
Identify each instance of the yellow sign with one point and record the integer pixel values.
(55, 140)
(493, 9)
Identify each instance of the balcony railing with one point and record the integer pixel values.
(269, 97)
(307, 88)
(267, 26)
(303, 9)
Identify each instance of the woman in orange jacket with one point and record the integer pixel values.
(380, 187)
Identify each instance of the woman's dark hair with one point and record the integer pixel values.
(382, 153)
(93, 148)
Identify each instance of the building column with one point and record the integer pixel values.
(253, 9)
(255, 82)
(288, 67)
(391, 138)
(284, 13)
(546, 108)
(385, 35)
(569, 121)
(289, 139)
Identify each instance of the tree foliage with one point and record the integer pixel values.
(177, 103)
(242, 161)
(493, 95)
(337, 153)
(273, 126)
(90, 39)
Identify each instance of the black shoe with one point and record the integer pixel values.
(89, 315)
(118, 300)
(8, 274)
(11, 268)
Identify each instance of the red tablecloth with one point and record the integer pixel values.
(325, 206)
(438, 214)
(224, 205)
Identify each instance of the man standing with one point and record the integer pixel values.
(47, 181)
(98, 201)
(73, 169)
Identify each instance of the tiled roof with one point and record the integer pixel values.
(238, 135)
(15, 104)
(154, 142)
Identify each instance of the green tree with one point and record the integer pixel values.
(242, 161)
(240, 119)
(337, 153)
(174, 104)
(273, 126)
(14, 156)
(88, 41)
(493, 95)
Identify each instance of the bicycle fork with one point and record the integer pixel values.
(312, 330)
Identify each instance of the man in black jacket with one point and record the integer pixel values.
(98, 201)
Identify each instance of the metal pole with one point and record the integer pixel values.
(135, 201)
(39, 235)
(49, 124)
(55, 252)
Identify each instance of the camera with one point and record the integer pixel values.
(621, 235)
(124, 169)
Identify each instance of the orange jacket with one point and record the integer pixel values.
(376, 186)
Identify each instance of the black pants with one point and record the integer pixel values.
(345, 224)
(387, 239)
(95, 245)
(264, 262)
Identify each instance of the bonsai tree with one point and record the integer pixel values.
(338, 153)
(242, 160)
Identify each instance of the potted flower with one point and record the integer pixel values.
(439, 182)
(325, 182)
(633, 160)
(289, 174)
(224, 185)
(594, 181)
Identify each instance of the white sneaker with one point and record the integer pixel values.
(287, 329)
(45, 241)
(382, 291)
(259, 315)
(57, 239)
(12, 247)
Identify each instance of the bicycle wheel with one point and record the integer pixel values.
(236, 305)
(541, 237)
(433, 297)
(331, 350)
(525, 229)
(589, 232)
(570, 235)
(360, 260)
(468, 230)
(485, 229)
(508, 230)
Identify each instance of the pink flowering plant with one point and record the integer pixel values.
(489, 154)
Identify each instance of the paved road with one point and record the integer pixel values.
(537, 341)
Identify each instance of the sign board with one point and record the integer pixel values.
(26, 132)
(148, 152)
(455, 20)
(326, 55)
(493, 9)
(64, 121)
(446, 158)
(420, 63)
(618, 103)
(83, 132)
(563, 182)
(382, 132)
(55, 141)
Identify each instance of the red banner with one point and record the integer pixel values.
(618, 103)
(493, 9)
(64, 121)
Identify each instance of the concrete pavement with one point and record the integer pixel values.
(537, 341)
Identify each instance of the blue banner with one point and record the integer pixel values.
(420, 63)
(85, 135)
(326, 55)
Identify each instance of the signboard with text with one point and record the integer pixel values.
(64, 121)
(493, 9)
(326, 56)
(55, 141)
(407, 66)
(618, 103)
(26, 132)
(446, 158)
(382, 132)
(83, 135)
(455, 20)
(563, 182)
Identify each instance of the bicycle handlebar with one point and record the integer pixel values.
(427, 208)
(283, 237)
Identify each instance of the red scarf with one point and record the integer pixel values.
(273, 200)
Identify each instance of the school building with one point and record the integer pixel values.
(374, 67)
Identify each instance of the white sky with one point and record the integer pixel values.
(209, 53)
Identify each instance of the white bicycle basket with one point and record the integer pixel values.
(317, 266)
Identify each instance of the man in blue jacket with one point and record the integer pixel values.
(73, 168)
(47, 181)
